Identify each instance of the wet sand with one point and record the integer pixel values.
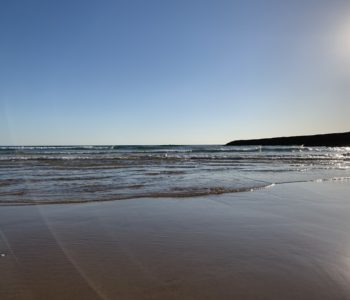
(291, 241)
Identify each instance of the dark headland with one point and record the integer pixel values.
(328, 140)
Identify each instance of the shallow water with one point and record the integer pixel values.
(64, 174)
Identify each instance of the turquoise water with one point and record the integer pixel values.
(65, 174)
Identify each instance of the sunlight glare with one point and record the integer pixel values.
(342, 41)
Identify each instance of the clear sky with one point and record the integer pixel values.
(172, 72)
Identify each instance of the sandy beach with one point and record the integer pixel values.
(174, 150)
(290, 241)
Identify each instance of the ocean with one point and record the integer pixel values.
(75, 174)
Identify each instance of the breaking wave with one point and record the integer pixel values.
(75, 174)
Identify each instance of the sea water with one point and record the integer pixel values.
(68, 174)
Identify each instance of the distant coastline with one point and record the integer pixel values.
(327, 140)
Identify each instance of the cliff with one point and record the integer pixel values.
(328, 140)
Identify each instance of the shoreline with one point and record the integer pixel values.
(288, 242)
(215, 191)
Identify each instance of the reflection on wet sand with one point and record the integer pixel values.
(289, 242)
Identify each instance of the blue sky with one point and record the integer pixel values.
(172, 72)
